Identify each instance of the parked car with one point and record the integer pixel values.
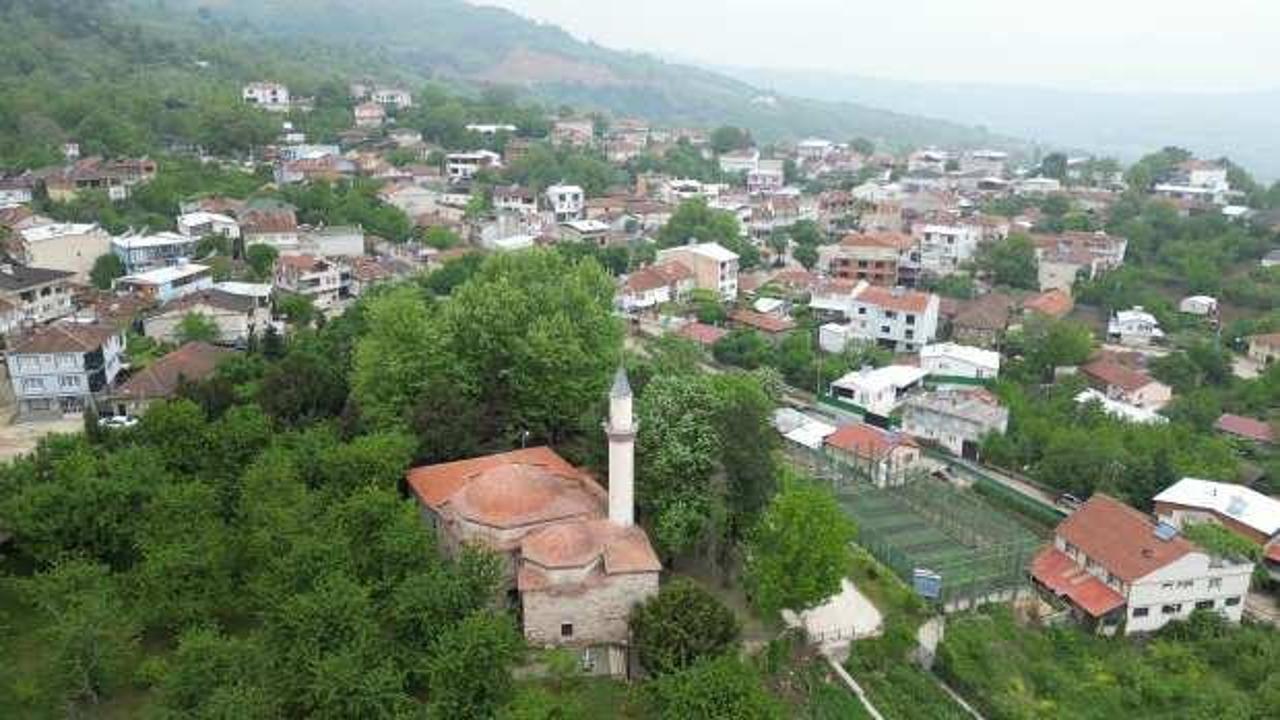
(118, 421)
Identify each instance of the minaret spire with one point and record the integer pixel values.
(621, 429)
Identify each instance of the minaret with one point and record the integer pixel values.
(621, 430)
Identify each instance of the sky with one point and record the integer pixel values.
(1096, 45)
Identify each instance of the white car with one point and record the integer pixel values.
(118, 421)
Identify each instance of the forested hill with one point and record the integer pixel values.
(454, 41)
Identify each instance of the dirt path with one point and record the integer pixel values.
(21, 438)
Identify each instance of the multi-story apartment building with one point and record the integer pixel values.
(465, 165)
(895, 318)
(957, 419)
(945, 245)
(326, 282)
(880, 258)
(146, 252)
(568, 202)
(60, 368)
(34, 295)
(72, 247)
(267, 95)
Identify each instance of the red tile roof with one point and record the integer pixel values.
(1120, 538)
(701, 333)
(508, 490)
(761, 321)
(576, 544)
(1245, 427)
(867, 441)
(1058, 572)
(657, 276)
(894, 299)
(63, 337)
(193, 361)
(1116, 375)
(1273, 551)
(884, 239)
(1054, 303)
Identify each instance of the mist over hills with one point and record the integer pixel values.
(1241, 126)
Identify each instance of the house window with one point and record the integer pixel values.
(884, 330)
(862, 311)
(1204, 605)
(1215, 583)
(1184, 584)
(32, 384)
(1231, 601)
(1166, 586)
(1172, 609)
(1141, 612)
(566, 630)
(911, 319)
(69, 381)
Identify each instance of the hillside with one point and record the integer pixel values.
(1123, 125)
(465, 45)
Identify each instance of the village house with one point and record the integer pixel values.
(1199, 305)
(575, 564)
(882, 456)
(1197, 180)
(1134, 327)
(147, 252)
(267, 95)
(169, 283)
(16, 189)
(877, 257)
(32, 295)
(72, 247)
(1054, 303)
(491, 129)
(982, 322)
(740, 161)
(804, 430)
(767, 177)
(945, 244)
(237, 317)
(465, 165)
(116, 178)
(1242, 510)
(325, 282)
(714, 268)
(956, 419)
(567, 202)
(394, 97)
(370, 115)
(1245, 428)
(332, 241)
(895, 318)
(1120, 410)
(1133, 387)
(878, 391)
(60, 368)
(655, 285)
(160, 380)
(769, 325)
(1064, 257)
(701, 333)
(580, 132)
(1264, 349)
(266, 222)
(1121, 572)
(204, 224)
(516, 199)
(954, 362)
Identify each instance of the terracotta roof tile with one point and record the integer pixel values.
(64, 337)
(894, 299)
(702, 333)
(1116, 375)
(1058, 572)
(1054, 303)
(881, 239)
(1121, 538)
(1245, 427)
(193, 361)
(867, 441)
(761, 321)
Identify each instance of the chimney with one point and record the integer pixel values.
(621, 430)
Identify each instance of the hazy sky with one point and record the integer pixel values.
(1167, 45)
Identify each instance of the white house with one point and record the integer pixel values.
(1201, 305)
(879, 391)
(267, 95)
(1122, 572)
(394, 97)
(895, 318)
(492, 128)
(199, 224)
(326, 282)
(1119, 409)
(944, 246)
(59, 368)
(515, 199)
(740, 161)
(465, 165)
(950, 360)
(16, 189)
(168, 283)
(1238, 508)
(568, 202)
(237, 317)
(34, 295)
(1134, 327)
(145, 252)
(370, 115)
(768, 176)
(655, 285)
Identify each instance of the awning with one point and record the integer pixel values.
(1058, 572)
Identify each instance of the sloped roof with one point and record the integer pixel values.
(1245, 427)
(1055, 303)
(867, 440)
(193, 361)
(988, 312)
(16, 278)
(1058, 572)
(577, 544)
(1116, 375)
(213, 298)
(761, 321)
(702, 333)
(897, 299)
(1242, 504)
(1121, 538)
(63, 337)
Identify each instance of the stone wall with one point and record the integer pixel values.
(598, 611)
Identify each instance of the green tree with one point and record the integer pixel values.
(681, 625)
(806, 255)
(261, 259)
(197, 327)
(726, 139)
(469, 676)
(799, 550)
(105, 271)
(1012, 262)
(395, 359)
(298, 310)
(1054, 165)
(747, 441)
(723, 688)
(441, 238)
(744, 348)
(694, 220)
